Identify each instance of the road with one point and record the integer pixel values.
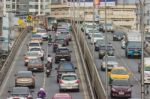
(49, 84)
(131, 64)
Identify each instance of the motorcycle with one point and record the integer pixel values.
(48, 72)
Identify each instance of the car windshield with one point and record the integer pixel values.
(98, 35)
(111, 59)
(41, 31)
(35, 49)
(119, 33)
(35, 61)
(20, 91)
(61, 41)
(119, 71)
(134, 44)
(120, 83)
(147, 68)
(65, 66)
(95, 31)
(32, 54)
(100, 42)
(62, 50)
(69, 77)
(36, 36)
(34, 44)
(108, 47)
(24, 74)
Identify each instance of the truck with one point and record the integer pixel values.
(133, 44)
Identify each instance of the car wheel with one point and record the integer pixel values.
(111, 95)
(60, 90)
(100, 57)
(25, 64)
(102, 69)
(33, 86)
(77, 90)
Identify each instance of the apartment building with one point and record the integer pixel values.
(1, 15)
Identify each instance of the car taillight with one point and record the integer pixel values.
(77, 81)
(29, 97)
(61, 82)
(129, 89)
(113, 89)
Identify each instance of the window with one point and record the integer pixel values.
(13, 6)
(7, 6)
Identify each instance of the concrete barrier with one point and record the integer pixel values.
(95, 79)
(10, 58)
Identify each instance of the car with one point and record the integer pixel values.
(123, 44)
(33, 44)
(91, 32)
(121, 89)
(101, 28)
(146, 69)
(111, 62)
(62, 52)
(61, 96)
(119, 72)
(43, 33)
(61, 35)
(98, 43)
(118, 35)
(65, 32)
(38, 50)
(109, 28)
(37, 38)
(20, 93)
(64, 67)
(97, 36)
(30, 55)
(102, 50)
(25, 79)
(35, 65)
(69, 81)
(58, 43)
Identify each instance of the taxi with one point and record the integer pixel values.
(119, 72)
(61, 96)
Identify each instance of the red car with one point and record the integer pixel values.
(61, 96)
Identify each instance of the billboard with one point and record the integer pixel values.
(90, 2)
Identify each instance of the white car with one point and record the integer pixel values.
(111, 62)
(146, 70)
(123, 45)
(43, 33)
(33, 44)
(38, 50)
(30, 55)
(69, 81)
(96, 36)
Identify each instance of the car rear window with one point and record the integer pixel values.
(24, 74)
(66, 67)
(69, 77)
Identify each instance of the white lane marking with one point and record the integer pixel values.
(44, 79)
(80, 72)
(12, 67)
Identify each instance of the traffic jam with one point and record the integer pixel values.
(36, 61)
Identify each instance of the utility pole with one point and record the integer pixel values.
(142, 10)
(106, 51)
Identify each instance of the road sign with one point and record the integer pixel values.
(29, 18)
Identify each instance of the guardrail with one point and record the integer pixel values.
(10, 58)
(95, 79)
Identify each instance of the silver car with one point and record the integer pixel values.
(111, 62)
(69, 81)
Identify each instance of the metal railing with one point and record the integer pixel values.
(10, 58)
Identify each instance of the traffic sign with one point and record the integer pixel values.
(29, 18)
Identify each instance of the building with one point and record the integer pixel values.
(1, 15)
(123, 15)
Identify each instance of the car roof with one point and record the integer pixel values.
(62, 95)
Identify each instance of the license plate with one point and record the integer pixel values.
(35, 68)
(121, 93)
(135, 53)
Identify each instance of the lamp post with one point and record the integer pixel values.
(106, 72)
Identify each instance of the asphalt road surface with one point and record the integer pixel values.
(50, 83)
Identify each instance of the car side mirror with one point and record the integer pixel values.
(9, 91)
